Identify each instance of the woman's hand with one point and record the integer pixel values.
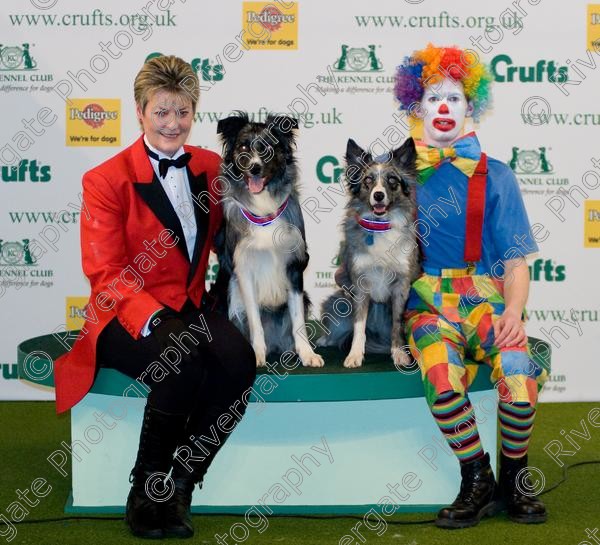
(166, 327)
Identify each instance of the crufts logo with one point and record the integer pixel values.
(547, 270)
(26, 170)
(329, 169)
(505, 70)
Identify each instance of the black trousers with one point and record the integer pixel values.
(225, 369)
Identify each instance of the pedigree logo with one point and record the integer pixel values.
(593, 27)
(75, 311)
(270, 25)
(592, 224)
(93, 122)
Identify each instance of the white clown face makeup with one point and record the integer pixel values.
(444, 108)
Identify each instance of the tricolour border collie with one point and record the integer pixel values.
(262, 246)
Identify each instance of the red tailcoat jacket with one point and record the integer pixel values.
(134, 253)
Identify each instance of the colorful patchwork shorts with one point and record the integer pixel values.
(449, 326)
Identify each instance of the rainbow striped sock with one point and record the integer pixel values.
(516, 424)
(454, 415)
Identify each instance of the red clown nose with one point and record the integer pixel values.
(443, 109)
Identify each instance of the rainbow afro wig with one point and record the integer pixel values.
(427, 66)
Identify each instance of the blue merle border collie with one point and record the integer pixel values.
(379, 257)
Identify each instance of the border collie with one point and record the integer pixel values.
(379, 257)
(262, 246)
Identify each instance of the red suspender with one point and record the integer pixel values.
(475, 211)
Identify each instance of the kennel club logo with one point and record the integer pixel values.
(556, 383)
(16, 58)
(593, 27)
(326, 279)
(19, 70)
(358, 59)
(356, 69)
(269, 26)
(93, 122)
(535, 172)
(18, 264)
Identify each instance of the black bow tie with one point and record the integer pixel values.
(165, 164)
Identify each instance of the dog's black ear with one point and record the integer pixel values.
(232, 125)
(406, 154)
(228, 129)
(356, 160)
(355, 155)
(353, 150)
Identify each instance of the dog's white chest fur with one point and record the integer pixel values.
(262, 255)
(380, 263)
(264, 268)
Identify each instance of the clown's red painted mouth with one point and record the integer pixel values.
(443, 124)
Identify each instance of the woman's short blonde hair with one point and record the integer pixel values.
(166, 73)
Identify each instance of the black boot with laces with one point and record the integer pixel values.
(516, 492)
(145, 508)
(476, 498)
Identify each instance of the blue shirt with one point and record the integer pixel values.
(441, 202)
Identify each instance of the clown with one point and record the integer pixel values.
(468, 304)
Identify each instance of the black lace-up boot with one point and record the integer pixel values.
(190, 466)
(145, 504)
(476, 498)
(516, 492)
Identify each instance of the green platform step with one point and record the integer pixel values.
(378, 378)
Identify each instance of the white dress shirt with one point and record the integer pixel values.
(177, 188)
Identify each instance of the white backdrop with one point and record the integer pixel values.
(549, 130)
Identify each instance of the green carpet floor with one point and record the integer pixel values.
(31, 431)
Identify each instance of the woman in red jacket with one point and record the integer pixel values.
(150, 216)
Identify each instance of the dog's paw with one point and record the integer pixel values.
(260, 351)
(401, 357)
(353, 360)
(311, 359)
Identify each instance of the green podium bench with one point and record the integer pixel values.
(313, 440)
